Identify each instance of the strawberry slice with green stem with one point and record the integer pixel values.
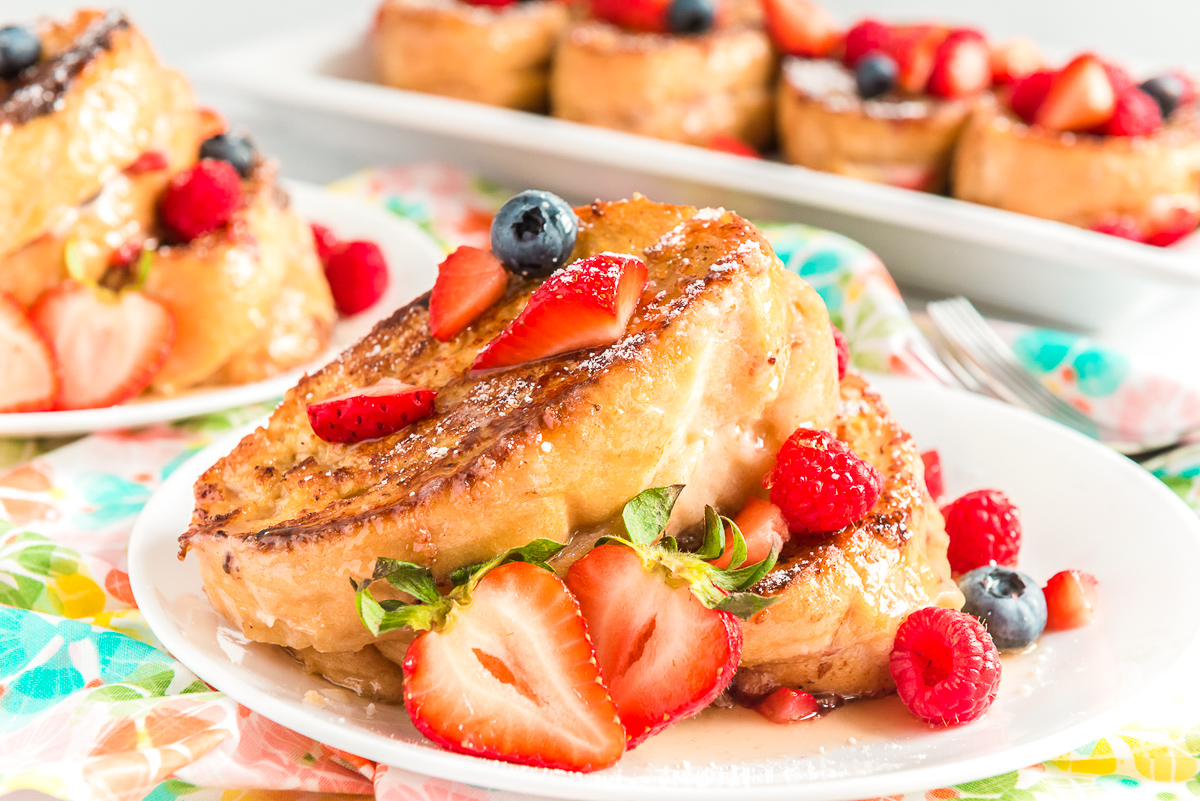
(503, 667)
(664, 622)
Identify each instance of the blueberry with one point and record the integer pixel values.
(19, 48)
(1167, 91)
(230, 147)
(691, 16)
(1010, 604)
(875, 75)
(534, 233)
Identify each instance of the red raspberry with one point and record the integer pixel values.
(201, 199)
(868, 36)
(1071, 600)
(1119, 77)
(933, 474)
(945, 666)
(843, 350)
(325, 240)
(357, 275)
(1135, 114)
(820, 484)
(984, 529)
(1026, 95)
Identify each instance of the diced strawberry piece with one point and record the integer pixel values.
(663, 654)
(1072, 597)
(762, 526)
(1119, 225)
(374, 411)
(868, 36)
(326, 242)
(786, 705)
(1166, 227)
(150, 161)
(357, 274)
(1135, 113)
(108, 349)
(469, 281)
(1027, 95)
(801, 28)
(26, 361)
(961, 66)
(512, 675)
(914, 47)
(933, 474)
(649, 16)
(1081, 97)
(584, 305)
(1015, 59)
(732, 145)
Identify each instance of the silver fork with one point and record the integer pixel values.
(983, 362)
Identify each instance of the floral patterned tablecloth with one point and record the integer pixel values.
(92, 709)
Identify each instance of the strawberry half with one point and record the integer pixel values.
(26, 362)
(1026, 95)
(801, 28)
(469, 281)
(586, 304)
(503, 667)
(1081, 97)
(662, 621)
(375, 411)
(109, 346)
(961, 66)
(868, 36)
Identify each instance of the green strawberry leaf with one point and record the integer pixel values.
(744, 604)
(714, 535)
(646, 515)
(746, 577)
(412, 579)
(382, 617)
(537, 553)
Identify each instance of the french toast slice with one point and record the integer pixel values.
(843, 595)
(97, 101)
(724, 357)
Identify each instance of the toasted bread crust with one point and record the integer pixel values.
(701, 385)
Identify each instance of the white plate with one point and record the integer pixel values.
(412, 265)
(1083, 507)
(1043, 268)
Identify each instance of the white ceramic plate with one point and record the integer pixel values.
(1083, 506)
(412, 264)
(947, 246)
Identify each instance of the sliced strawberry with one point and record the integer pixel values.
(801, 28)
(1027, 95)
(961, 66)
(26, 361)
(109, 346)
(649, 16)
(326, 242)
(763, 528)
(1119, 225)
(469, 281)
(933, 474)
(511, 675)
(1081, 97)
(375, 411)
(1134, 114)
(1072, 597)
(150, 161)
(663, 654)
(732, 145)
(1166, 227)
(1015, 59)
(914, 47)
(786, 705)
(868, 36)
(585, 304)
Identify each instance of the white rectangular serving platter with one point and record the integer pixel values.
(318, 85)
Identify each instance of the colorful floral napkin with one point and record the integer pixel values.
(91, 709)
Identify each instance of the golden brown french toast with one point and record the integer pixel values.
(69, 125)
(724, 357)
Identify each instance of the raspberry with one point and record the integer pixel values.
(820, 484)
(357, 275)
(1071, 600)
(984, 529)
(325, 240)
(201, 199)
(843, 350)
(933, 474)
(1027, 94)
(1135, 114)
(945, 666)
(868, 36)
(1119, 77)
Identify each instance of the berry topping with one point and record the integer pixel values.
(1119, 77)
(1168, 91)
(1015, 59)
(326, 242)
(945, 666)
(375, 411)
(1010, 605)
(914, 47)
(108, 348)
(585, 305)
(763, 530)
(26, 362)
(1026, 95)
(732, 145)
(649, 16)
(492, 3)
(1135, 114)
(786, 705)
(150, 161)
(820, 484)
(1119, 225)
(1081, 97)
(534, 233)
(233, 149)
(875, 75)
(19, 48)
(868, 36)
(357, 274)
(1072, 597)
(691, 16)
(1169, 224)
(469, 281)
(933, 474)
(984, 529)
(843, 351)
(201, 199)
(801, 28)
(961, 66)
